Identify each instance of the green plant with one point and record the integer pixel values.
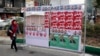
(6, 27)
(21, 27)
(92, 31)
(97, 30)
(89, 31)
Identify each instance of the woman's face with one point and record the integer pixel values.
(15, 22)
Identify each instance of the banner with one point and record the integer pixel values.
(53, 8)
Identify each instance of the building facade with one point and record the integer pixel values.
(2, 3)
(30, 3)
(11, 6)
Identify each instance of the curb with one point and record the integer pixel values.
(89, 49)
(20, 41)
(52, 51)
(92, 50)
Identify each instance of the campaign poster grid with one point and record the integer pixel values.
(37, 30)
(64, 23)
(66, 29)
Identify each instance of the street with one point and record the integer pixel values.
(32, 50)
(6, 51)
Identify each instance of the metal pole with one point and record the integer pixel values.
(24, 25)
(85, 4)
(50, 20)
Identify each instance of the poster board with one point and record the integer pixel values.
(36, 30)
(64, 23)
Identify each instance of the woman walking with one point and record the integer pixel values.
(13, 29)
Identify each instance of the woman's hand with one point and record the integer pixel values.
(10, 31)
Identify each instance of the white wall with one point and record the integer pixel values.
(76, 1)
(64, 2)
(55, 2)
(30, 3)
(1, 9)
(59, 2)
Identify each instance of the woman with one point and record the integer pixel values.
(13, 29)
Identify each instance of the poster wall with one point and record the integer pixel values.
(66, 29)
(61, 27)
(37, 30)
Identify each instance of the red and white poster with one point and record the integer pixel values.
(77, 23)
(66, 23)
(37, 30)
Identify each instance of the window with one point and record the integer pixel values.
(1, 3)
(42, 2)
(14, 3)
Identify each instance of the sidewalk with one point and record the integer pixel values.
(32, 50)
(6, 51)
(5, 40)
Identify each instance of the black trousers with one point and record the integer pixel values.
(13, 44)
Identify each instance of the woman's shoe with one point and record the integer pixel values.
(16, 50)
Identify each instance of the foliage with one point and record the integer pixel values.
(21, 27)
(98, 3)
(93, 31)
(6, 27)
(97, 30)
